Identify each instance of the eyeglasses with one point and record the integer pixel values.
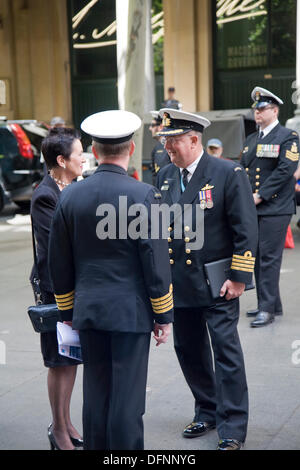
(172, 140)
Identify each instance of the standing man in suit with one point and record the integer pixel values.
(270, 157)
(159, 155)
(219, 190)
(114, 287)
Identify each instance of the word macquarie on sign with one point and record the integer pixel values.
(234, 10)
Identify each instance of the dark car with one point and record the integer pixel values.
(20, 166)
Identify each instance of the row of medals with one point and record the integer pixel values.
(206, 204)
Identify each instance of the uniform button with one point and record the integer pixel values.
(247, 169)
(257, 169)
(186, 239)
(256, 190)
(188, 261)
(170, 251)
(257, 183)
(171, 261)
(169, 229)
(257, 177)
(169, 240)
(187, 251)
(187, 228)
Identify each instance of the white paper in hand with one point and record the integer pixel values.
(68, 341)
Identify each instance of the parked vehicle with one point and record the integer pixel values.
(20, 166)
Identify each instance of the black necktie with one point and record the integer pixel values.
(261, 134)
(185, 173)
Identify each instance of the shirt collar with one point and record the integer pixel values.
(269, 128)
(192, 167)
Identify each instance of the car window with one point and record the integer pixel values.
(8, 143)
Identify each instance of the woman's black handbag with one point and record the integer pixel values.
(43, 316)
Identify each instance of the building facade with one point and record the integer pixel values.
(59, 57)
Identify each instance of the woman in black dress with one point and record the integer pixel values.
(62, 151)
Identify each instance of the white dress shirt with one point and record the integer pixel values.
(268, 129)
(192, 167)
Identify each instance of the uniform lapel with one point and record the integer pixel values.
(270, 137)
(198, 180)
(173, 183)
(251, 154)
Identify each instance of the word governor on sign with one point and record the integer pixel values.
(151, 459)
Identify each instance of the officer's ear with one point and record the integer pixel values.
(131, 148)
(95, 152)
(196, 138)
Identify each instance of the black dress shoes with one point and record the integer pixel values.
(253, 313)
(262, 319)
(197, 429)
(229, 444)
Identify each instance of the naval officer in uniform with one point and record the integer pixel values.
(270, 157)
(159, 155)
(114, 287)
(220, 189)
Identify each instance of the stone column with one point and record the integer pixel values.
(135, 70)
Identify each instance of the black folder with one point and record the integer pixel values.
(216, 274)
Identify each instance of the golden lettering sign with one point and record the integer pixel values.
(234, 10)
(83, 42)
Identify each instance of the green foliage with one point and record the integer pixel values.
(157, 6)
(158, 48)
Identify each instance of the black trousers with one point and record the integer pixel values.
(271, 237)
(114, 389)
(221, 396)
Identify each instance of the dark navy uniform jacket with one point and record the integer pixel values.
(159, 158)
(119, 285)
(230, 227)
(270, 163)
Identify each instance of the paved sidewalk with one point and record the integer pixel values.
(273, 380)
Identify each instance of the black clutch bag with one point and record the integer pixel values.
(44, 317)
(216, 274)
